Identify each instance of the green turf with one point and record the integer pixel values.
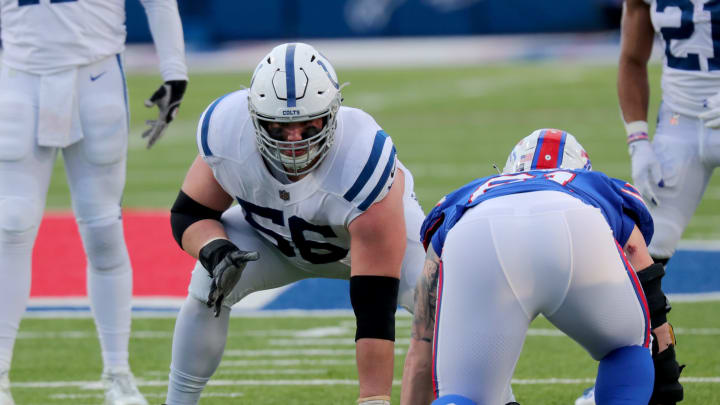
(43, 354)
(449, 125)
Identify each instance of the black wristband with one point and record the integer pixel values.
(213, 252)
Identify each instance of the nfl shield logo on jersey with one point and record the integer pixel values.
(284, 195)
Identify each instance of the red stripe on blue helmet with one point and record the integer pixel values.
(549, 149)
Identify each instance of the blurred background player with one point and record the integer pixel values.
(579, 232)
(62, 89)
(321, 193)
(673, 171)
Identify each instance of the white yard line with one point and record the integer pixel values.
(296, 352)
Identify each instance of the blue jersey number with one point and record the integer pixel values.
(686, 30)
(308, 249)
(32, 2)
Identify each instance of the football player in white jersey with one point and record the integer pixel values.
(62, 90)
(320, 193)
(673, 170)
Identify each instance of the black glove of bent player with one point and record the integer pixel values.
(167, 98)
(667, 389)
(225, 263)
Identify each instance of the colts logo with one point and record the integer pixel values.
(284, 195)
(290, 112)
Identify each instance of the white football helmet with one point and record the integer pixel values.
(294, 83)
(547, 149)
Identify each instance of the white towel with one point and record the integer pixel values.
(58, 109)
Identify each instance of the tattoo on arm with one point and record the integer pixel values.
(426, 299)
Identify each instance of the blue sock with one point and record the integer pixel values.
(625, 377)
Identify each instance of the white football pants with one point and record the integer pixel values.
(688, 153)
(512, 258)
(95, 168)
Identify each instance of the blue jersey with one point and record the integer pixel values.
(619, 201)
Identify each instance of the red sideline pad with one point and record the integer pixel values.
(160, 267)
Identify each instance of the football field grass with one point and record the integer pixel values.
(449, 126)
(310, 360)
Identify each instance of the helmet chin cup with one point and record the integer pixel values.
(294, 83)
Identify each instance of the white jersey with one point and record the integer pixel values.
(690, 34)
(49, 36)
(307, 220)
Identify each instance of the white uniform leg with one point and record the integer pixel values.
(678, 143)
(25, 170)
(198, 344)
(604, 305)
(95, 168)
(199, 339)
(480, 325)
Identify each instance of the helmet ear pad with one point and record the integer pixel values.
(294, 83)
(547, 148)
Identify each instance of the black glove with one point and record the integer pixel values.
(225, 263)
(167, 98)
(667, 389)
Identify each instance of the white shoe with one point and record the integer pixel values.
(120, 388)
(587, 397)
(5, 397)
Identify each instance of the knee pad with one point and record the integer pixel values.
(19, 214)
(105, 245)
(453, 400)
(625, 377)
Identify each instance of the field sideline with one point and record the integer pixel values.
(449, 126)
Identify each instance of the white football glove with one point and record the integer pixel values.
(711, 117)
(646, 170)
(167, 98)
(376, 400)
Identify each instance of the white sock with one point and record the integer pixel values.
(15, 265)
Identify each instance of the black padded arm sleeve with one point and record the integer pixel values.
(374, 300)
(185, 212)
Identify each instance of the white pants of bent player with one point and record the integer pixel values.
(512, 258)
(275, 270)
(688, 153)
(95, 168)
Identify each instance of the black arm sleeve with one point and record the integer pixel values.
(185, 212)
(374, 300)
